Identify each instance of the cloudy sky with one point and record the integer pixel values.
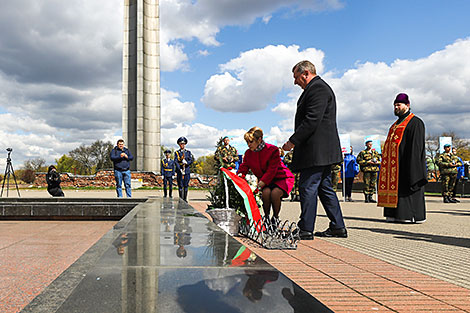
(226, 66)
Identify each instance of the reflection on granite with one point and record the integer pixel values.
(168, 258)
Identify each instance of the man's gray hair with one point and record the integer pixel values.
(303, 66)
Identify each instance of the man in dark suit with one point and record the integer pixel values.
(317, 147)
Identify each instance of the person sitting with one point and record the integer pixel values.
(53, 182)
(275, 180)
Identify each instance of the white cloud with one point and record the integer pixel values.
(173, 111)
(204, 18)
(201, 138)
(184, 20)
(251, 81)
(57, 42)
(204, 53)
(437, 86)
(266, 19)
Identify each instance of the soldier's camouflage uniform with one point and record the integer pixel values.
(335, 169)
(448, 172)
(228, 152)
(369, 171)
(295, 195)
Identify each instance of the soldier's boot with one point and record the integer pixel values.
(170, 192)
(454, 199)
(371, 200)
(446, 199)
(366, 198)
(185, 194)
(180, 193)
(164, 192)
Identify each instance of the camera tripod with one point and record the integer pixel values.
(9, 170)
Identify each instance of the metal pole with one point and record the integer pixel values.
(344, 179)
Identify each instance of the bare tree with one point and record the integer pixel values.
(36, 164)
(83, 156)
(100, 152)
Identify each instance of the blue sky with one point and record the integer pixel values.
(226, 66)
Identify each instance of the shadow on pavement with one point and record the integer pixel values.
(455, 213)
(399, 234)
(365, 219)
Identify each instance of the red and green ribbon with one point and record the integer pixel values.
(249, 200)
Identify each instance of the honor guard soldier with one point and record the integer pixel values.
(369, 161)
(168, 171)
(448, 164)
(225, 156)
(183, 159)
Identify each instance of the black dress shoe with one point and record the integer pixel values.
(340, 233)
(303, 234)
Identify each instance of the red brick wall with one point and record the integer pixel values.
(106, 179)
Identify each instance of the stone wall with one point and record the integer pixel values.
(106, 179)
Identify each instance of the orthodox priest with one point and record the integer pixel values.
(403, 170)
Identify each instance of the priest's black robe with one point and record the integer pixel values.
(412, 174)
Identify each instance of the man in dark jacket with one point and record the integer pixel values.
(121, 157)
(317, 147)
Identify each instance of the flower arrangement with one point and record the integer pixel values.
(252, 181)
(218, 196)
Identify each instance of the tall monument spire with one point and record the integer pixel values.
(141, 83)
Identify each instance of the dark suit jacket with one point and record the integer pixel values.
(316, 137)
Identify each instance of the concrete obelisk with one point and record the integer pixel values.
(141, 83)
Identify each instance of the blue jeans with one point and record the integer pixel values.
(316, 182)
(119, 176)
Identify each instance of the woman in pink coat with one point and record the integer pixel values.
(275, 181)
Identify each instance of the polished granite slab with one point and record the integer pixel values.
(165, 257)
(66, 208)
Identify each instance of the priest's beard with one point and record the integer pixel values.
(400, 112)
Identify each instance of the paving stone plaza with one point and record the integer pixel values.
(165, 256)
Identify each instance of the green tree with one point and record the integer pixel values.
(206, 165)
(66, 164)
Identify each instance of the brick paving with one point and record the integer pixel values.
(34, 253)
(382, 267)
